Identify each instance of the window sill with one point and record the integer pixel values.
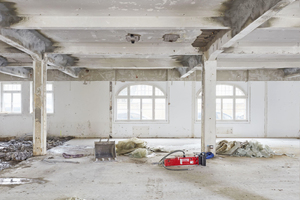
(11, 113)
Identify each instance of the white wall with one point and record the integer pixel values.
(82, 110)
(179, 123)
(283, 109)
(281, 117)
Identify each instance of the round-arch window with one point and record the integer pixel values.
(141, 102)
(231, 103)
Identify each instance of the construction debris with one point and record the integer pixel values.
(127, 146)
(247, 149)
(20, 149)
(139, 153)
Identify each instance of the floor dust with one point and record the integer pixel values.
(223, 178)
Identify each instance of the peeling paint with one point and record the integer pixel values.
(239, 13)
(30, 39)
(8, 14)
(3, 61)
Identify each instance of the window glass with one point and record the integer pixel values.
(229, 105)
(141, 90)
(7, 102)
(224, 90)
(199, 109)
(240, 109)
(11, 87)
(227, 109)
(135, 109)
(146, 109)
(218, 109)
(144, 102)
(49, 87)
(160, 109)
(16, 103)
(50, 103)
(239, 92)
(158, 92)
(122, 109)
(123, 92)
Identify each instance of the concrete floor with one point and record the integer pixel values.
(224, 177)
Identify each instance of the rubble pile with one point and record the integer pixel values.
(20, 149)
(244, 149)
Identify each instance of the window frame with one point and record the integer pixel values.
(31, 97)
(140, 97)
(234, 97)
(1, 97)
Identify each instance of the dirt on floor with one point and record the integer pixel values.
(15, 150)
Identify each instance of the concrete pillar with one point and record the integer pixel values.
(208, 117)
(39, 107)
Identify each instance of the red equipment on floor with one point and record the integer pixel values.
(178, 161)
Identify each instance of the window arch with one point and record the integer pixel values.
(231, 103)
(141, 103)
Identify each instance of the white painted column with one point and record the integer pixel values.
(208, 117)
(39, 107)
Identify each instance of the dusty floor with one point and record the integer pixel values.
(224, 177)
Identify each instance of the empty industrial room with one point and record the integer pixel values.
(150, 99)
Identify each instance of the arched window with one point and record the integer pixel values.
(141, 103)
(231, 103)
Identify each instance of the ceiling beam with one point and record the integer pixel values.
(116, 22)
(128, 63)
(149, 49)
(242, 65)
(34, 44)
(255, 48)
(16, 71)
(225, 39)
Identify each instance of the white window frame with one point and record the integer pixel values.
(153, 97)
(234, 97)
(1, 97)
(31, 98)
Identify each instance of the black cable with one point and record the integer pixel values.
(162, 163)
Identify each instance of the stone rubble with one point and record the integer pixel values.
(21, 149)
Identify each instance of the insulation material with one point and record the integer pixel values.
(139, 153)
(127, 146)
(247, 149)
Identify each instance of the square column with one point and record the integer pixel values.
(39, 107)
(208, 113)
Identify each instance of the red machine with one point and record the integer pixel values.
(181, 161)
(196, 160)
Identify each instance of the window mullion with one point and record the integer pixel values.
(128, 103)
(141, 101)
(221, 109)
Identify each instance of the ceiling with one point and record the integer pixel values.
(94, 32)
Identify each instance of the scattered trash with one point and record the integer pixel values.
(72, 156)
(19, 181)
(74, 198)
(127, 146)
(159, 149)
(19, 149)
(54, 161)
(247, 149)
